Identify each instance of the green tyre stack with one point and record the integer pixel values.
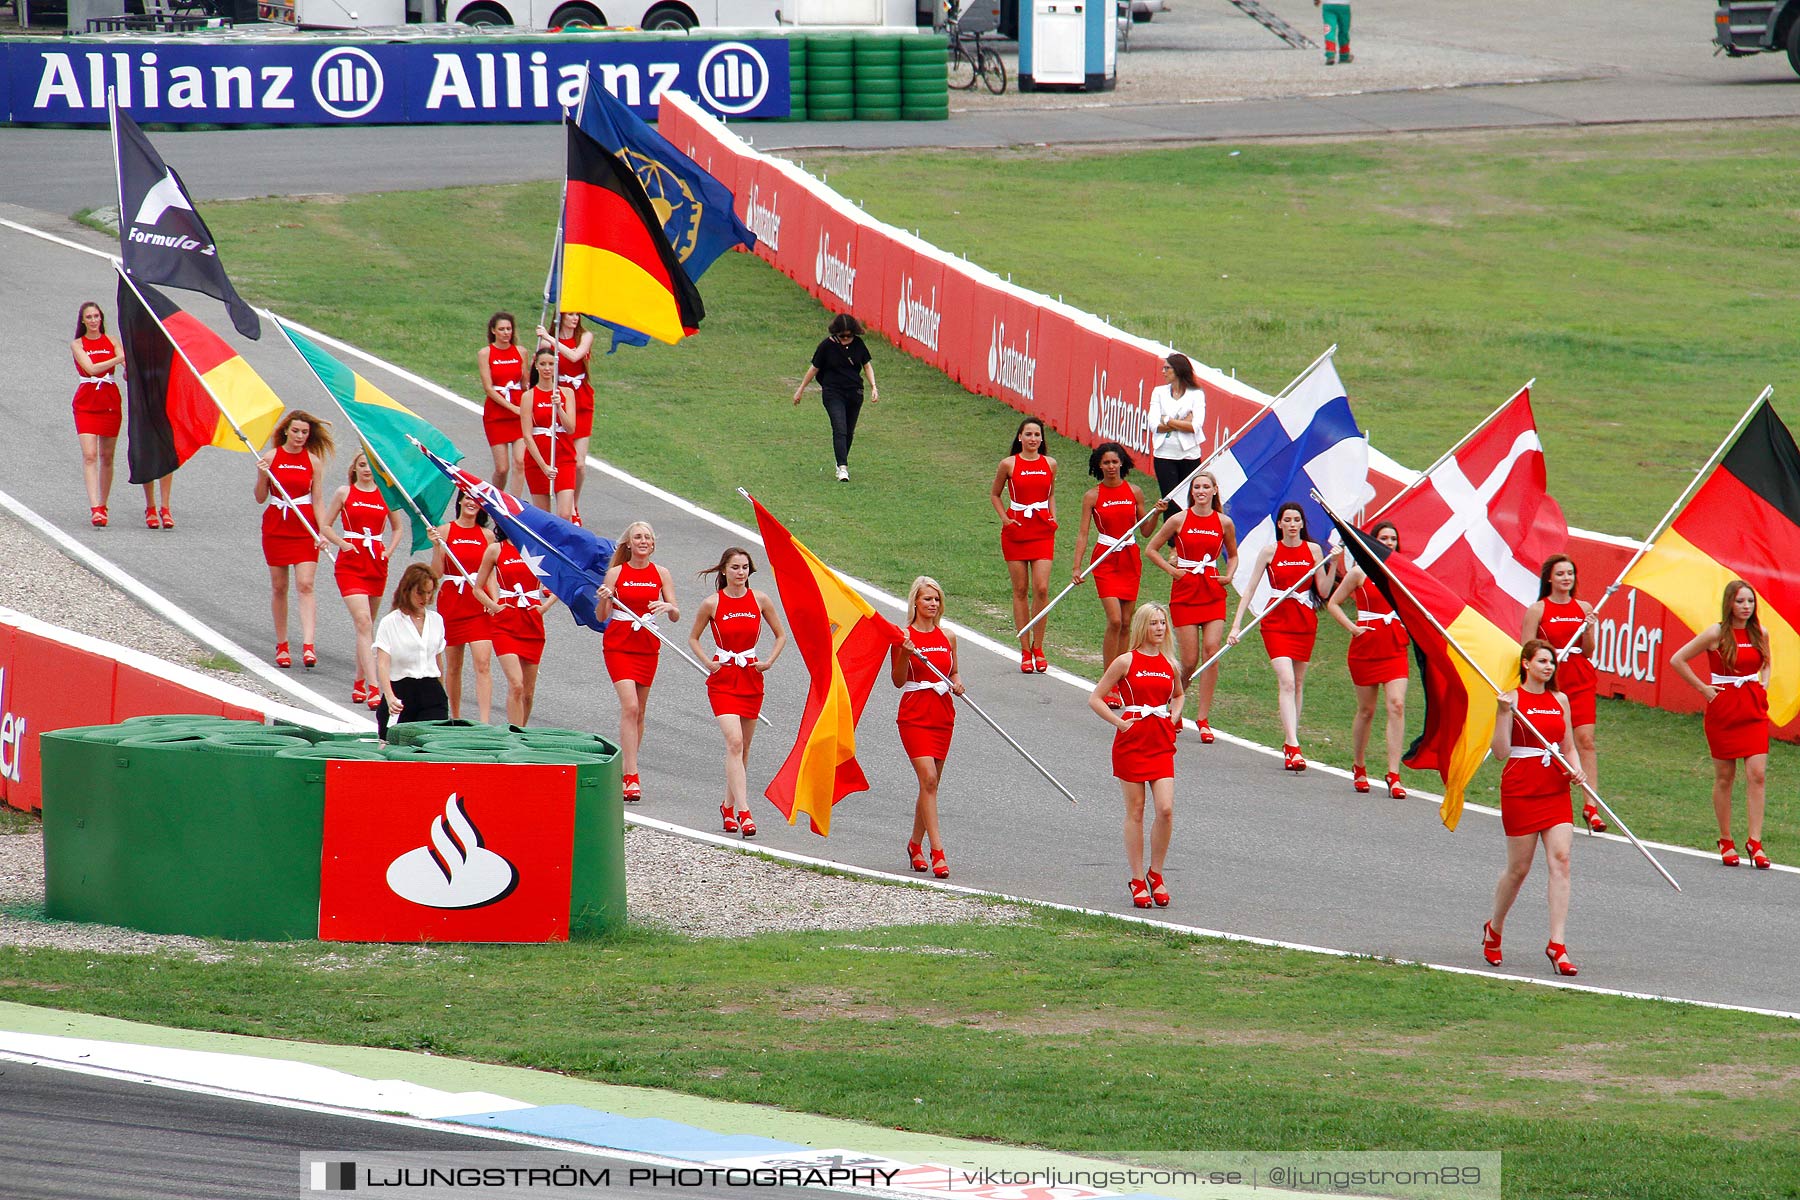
(924, 78)
(797, 63)
(831, 78)
(878, 92)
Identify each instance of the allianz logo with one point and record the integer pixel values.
(764, 220)
(1012, 367)
(1114, 419)
(919, 317)
(833, 272)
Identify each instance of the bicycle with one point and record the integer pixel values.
(971, 59)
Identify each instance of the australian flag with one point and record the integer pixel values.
(569, 560)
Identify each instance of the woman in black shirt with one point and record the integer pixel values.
(839, 365)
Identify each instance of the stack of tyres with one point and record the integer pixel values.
(924, 78)
(797, 59)
(830, 78)
(877, 61)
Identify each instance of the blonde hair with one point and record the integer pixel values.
(318, 433)
(912, 596)
(1140, 630)
(1218, 500)
(622, 552)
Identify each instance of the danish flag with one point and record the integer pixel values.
(1483, 521)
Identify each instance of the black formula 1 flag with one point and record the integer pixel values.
(161, 238)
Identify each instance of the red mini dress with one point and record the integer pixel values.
(736, 688)
(631, 651)
(1288, 631)
(1575, 675)
(1144, 751)
(1121, 573)
(572, 373)
(519, 626)
(927, 710)
(1379, 655)
(362, 570)
(1534, 791)
(1198, 594)
(98, 409)
(506, 367)
(1737, 720)
(287, 524)
(465, 621)
(552, 440)
(1028, 491)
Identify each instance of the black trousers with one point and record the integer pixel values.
(843, 408)
(1171, 471)
(420, 700)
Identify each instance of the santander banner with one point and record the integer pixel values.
(1087, 380)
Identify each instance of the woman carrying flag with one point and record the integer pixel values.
(1024, 498)
(547, 415)
(1737, 712)
(519, 625)
(298, 448)
(1534, 797)
(1114, 508)
(637, 592)
(574, 359)
(927, 713)
(98, 411)
(362, 565)
(1378, 666)
(736, 614)
(1143, 752)
(1203, 543)
(1560, 619)
(1290, 627)
(468, 610)
(501, 366)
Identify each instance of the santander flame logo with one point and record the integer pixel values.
(455, 870)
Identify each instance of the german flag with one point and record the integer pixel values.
(182, 379)
(1743, 523)
(844, 643)
(616, 262)
(1456, 646)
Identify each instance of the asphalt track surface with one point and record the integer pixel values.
(1257, 852)
(75, 1136)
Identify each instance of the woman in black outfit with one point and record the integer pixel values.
(839, 365)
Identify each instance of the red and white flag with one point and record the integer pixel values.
(1482, 521)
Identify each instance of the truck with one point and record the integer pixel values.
(1743, 27)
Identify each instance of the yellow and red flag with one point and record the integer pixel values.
(1743, 523)
(844, 643)
(616, 264)
(1455, 645)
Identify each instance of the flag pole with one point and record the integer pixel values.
(1131, 534)
(992, 724)
(1447, 455)
(330, 550)
(1495, 688)
(1668, 517)
(1304, 581)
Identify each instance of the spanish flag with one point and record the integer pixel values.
(616, 264)
(1743, 523)
(185, 386)
(1455, 645)
(844, 643)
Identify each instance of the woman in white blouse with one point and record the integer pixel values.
(1177, 414)
(409, 654)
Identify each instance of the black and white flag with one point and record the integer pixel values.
(161, 238)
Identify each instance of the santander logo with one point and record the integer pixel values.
(455, 870)
(1012, 367)
(12, 738)
(1113, 419)
(764, 220)
(834, 272)
(919, 317)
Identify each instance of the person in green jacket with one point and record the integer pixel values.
(1337, 31)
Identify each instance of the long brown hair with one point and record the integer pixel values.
(410, 579)
(318, 433)
(1529, 651)
(1550, 564)
(81, 326)
(717, 570)
(1183, 367)
(1758, 636)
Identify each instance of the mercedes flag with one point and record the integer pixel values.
(161, 238)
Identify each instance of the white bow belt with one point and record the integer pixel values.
(1110, 542)
(573, 381)
(368, 541)
(1030, 510)
(734, 658)
(283, 504)
(636, 620)
(1196, 566)
(1147, 710)
(919, 685)
(1735, 680)
(1575, 650)
(96, 380)
(1386, 618)
(1542, 755)
(456, 581)
(518, 596)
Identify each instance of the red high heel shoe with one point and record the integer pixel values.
(1395, 788)
(374, 698)
(1026, 665)
(308, 656)
(1490, 944)
(746, 823)
(1158, 892)
(168, 519)
(1728, 852)
(1038, 661)
(1206, 732)
(151, 520)
(1591, 815)
(359, 692)
(916, 853)
(728, 814)
(1558, 954)
(97, 516)
(939, 867)
(1757, 857)
(1140, 895)
(283, 659)
(1359, 777)
(631, 790)
(1294, 760)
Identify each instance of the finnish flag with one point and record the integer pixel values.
(1308, 441)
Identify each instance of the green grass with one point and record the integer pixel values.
(1070, 1033)
(13, 821)
(218, 662)
(1449, 269)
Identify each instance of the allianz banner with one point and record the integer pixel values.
(381, 83)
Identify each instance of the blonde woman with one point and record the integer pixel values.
(1143, 754)
(636, 592)
(927, 712)
(298, 448)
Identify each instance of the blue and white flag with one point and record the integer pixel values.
(566, 558)
(1308, 441)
